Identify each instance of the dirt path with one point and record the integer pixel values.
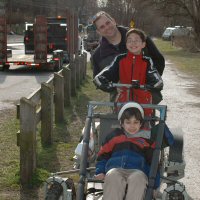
(182, 96)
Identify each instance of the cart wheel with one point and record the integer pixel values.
(175, 192)
(70, 184)
(54, 191)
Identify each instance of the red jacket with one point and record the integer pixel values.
(127, 67)
(133, 67)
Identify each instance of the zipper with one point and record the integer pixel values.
(130, 93)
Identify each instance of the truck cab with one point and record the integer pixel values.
(91, 40)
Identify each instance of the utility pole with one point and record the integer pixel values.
(10, 14)
(3, 34)
(2, 8)
(56, 8)
(6, 5)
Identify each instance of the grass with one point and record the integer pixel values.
(9, 152)
(57, 157)
(187, 61)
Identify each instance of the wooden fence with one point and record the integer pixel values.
(46, 106)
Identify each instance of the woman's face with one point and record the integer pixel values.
(131, 125)
(135, 44)
(106, 27)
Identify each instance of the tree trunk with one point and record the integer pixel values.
(197, 32)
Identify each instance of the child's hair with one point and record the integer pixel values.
(130, 112)
(98, 16)
(138, 32)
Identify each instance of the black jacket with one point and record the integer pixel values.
(106, 52)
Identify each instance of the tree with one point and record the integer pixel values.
(184, 9)
(20, 11)
(143, 13)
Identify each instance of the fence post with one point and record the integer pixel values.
(59, 97)
(81, 65)
(71, 29)
(46, 114)
(82, 57)
(73, 78)
(85, 64)
(80, 68)
(77, 63)
(68, 43)
(27, 140)
(67, 86)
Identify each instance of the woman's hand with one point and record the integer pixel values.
(100, 176)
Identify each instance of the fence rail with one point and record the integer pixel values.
(46, 106)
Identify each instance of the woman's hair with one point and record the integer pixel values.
(98, 16)
(131, 112)
(138, 32)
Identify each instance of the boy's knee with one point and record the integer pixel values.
(112, 172)
(138, 175)
(112, 175)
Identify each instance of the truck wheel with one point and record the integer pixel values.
(57, 66)
(6, 67)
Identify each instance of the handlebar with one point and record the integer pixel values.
(135, 85)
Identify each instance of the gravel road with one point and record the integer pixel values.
(182, 96)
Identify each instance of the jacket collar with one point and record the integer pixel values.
(131, 55)
(141, 133)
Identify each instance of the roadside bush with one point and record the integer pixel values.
(186, 42)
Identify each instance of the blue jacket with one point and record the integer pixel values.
(120, 151)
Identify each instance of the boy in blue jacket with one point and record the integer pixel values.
(124, 158)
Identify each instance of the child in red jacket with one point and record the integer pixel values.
(129, 66)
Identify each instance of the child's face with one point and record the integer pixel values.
(135, 44)
(131, 125)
